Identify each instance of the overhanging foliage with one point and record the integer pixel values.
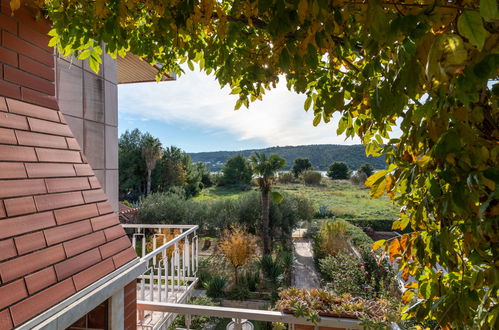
(431, 66)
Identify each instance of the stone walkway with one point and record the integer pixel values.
(304, 273)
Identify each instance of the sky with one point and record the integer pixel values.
(195, 114)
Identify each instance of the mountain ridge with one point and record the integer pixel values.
(321, 155)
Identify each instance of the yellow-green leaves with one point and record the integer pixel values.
(377, 182)
(376, 245)
(470, 26)
(489, 10)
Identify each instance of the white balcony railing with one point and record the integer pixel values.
(171, 255)
(240, 316)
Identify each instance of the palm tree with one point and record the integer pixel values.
(265, 168)
(152, 152)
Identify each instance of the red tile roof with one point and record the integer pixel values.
(58, 232)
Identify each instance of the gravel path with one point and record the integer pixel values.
(304, 273)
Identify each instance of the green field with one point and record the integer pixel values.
(341, 197)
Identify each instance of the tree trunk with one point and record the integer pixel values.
(265, 221)
(148, 191)
(236, 275)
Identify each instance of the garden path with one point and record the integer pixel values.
(304, 273)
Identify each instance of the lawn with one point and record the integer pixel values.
(341, 197)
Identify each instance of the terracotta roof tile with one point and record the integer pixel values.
(72, 143)
(94, 182)
(15, 153)
(41, 140)
(114, 247)
(3, 103)
(7, 136)
(30, 242)
(104, 208)
(32, 110)
(12, 292)
(67, 184)
(67, 232)
(29, 263)
(26, 309)
(73, 265)
(19, 206)
(93, 273)
(104, 221)
(11, 120)
(83, 170)
(12, 171)
(114, 232)
(12, 188)
(51, 227)
(85, 243)
(45, 126)
(124, 257)
(3, 213)
(5, 320)
(59, 156)
(44, 170)
(75, 213)
(7, 249)
(40, 280)
(11, 227)
(91, 196)
(55, 201)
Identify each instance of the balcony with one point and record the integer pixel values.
(170, 253)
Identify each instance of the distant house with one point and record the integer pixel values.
(65, 260)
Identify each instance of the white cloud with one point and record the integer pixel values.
(197, 99)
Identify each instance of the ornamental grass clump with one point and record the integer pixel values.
(314, 303)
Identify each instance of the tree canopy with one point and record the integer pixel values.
(338, 171)
(428, 65)
(300, 165)
(236, 170)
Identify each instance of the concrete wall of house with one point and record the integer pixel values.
(89, 102)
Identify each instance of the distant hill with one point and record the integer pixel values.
(321, 156)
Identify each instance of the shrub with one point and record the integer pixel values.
(333, 237)
(238, 247)
(239, 291)
(215, 286)
(358, 178)
(338, 171)
(311, 177)
(357, 236)
(286, 177)
(344, 274)
(236, 171)
(376, 224)
(367, 169)
(300, 165)
(165, 208)
(252, 279)
(198, 322)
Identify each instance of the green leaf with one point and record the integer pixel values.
(308, 102)
(238, 104)
(190, 65)
(489, 10)
(470, 26)
(84, 54)
(317, 119)
(93, 63)
(375, 177)
(277, 197)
